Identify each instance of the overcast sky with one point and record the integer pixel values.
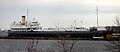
(62, 12)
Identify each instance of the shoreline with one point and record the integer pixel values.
(50, 38)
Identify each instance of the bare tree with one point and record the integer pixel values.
(117, 21)
(64, 45)
(32, 46)
(114, 45)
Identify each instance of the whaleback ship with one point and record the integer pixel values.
(34, 29)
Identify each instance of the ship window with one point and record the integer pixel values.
(77, 28)
(28, 28)
(34, 28)
(12, 29)
(15, 29)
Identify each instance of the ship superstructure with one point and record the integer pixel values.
(35, 26)
(25, 26)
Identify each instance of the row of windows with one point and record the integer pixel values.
(23, 28)
(27, 25)
(19, 29)
(34, 25)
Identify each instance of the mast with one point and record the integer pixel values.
(81, 22)
(74, 23)
(97, 10)
(27, 14)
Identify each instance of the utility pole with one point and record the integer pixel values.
(97, 11)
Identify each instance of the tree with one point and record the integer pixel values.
(64, 45)
(114, 45)
(117, 21)
(32, 46)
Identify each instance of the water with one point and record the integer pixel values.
(11, 45)
(3, 33)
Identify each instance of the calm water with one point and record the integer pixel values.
(10, 45)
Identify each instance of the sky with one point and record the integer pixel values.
(51, 13)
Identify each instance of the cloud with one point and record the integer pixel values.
(58, 10)
(61, 2)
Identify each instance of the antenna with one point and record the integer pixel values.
(33, 19)
(27, 14)
(97, 10)
(74, 23)
(81, 22)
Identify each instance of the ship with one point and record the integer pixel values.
(34, 29)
